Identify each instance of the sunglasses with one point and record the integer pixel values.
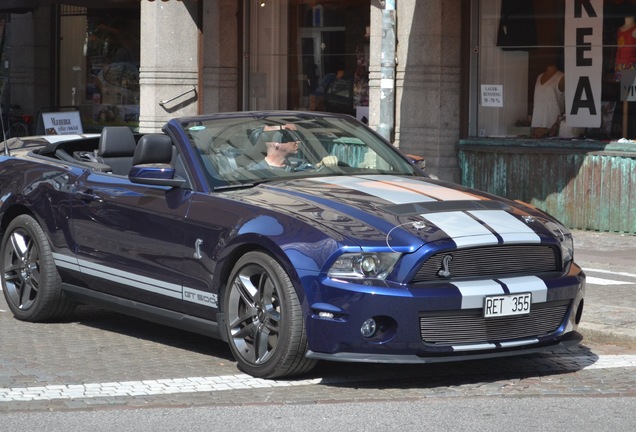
(282, 137)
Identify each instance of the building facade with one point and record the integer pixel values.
(475, 81)
(140, 62)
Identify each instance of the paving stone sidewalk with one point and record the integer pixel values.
(609, 260)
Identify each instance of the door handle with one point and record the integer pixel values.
(197, 249)
(87, 195)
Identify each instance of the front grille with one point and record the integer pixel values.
(490, 262)
(469, 326)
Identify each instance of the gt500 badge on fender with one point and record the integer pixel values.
(201, 297)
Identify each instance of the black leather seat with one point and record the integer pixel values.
(153, 149)
(116, 148)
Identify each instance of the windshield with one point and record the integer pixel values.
(242, 150)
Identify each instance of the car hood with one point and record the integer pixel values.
(402, 212)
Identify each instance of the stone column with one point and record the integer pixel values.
(221, 55)
(427, 93)
(169, 61)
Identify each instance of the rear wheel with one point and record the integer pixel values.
(30, 282)
(264, 319)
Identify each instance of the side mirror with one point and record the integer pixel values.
(155, 174)
(418, 161)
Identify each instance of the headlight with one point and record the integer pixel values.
(567, 248)
(565, 238)
(364, 265)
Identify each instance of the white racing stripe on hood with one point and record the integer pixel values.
(511, 229)
(466, 231)
(398, 190)
(463, 229)
(443, 193)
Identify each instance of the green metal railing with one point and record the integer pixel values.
(586, 185)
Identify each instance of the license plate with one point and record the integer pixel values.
(507, 305)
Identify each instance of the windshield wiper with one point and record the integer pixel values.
(234, 186)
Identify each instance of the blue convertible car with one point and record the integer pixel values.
(295, 237)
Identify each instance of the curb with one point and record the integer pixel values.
(597, 333)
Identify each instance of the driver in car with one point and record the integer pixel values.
(281, 143)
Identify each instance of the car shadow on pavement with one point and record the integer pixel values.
(451, 374)
(358, 375)
(142, 329)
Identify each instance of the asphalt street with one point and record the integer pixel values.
(482, 414)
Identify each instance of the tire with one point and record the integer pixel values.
(264, 319)
(30, 281)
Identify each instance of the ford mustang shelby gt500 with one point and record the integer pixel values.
(293, 236)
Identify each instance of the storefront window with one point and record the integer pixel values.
(554, 69)
(308, 56)
(99, 65)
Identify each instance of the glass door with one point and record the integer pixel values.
(99, 65)
(300, 55)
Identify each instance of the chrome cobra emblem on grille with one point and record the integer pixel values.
(445, 270)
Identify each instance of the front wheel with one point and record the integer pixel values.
(264, 319)
(30, 282)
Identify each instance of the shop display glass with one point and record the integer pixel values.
(553, 69)
(308, 56)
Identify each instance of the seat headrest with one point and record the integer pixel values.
(153, 149)
(116, 141)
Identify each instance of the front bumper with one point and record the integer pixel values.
(570, 339)
(451, 312)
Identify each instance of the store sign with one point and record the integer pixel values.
(583, 62)
(492, 95)
(62, 123)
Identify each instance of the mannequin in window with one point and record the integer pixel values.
(549, 101)
(626, 51)
(624, 118)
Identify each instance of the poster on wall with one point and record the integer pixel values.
(583, 62)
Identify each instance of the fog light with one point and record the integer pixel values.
(368, 328)
(328, 315)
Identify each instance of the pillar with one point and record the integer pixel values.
(427, 87)
(220, 56)
(169, 62)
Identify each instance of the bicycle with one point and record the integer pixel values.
(17, 125)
